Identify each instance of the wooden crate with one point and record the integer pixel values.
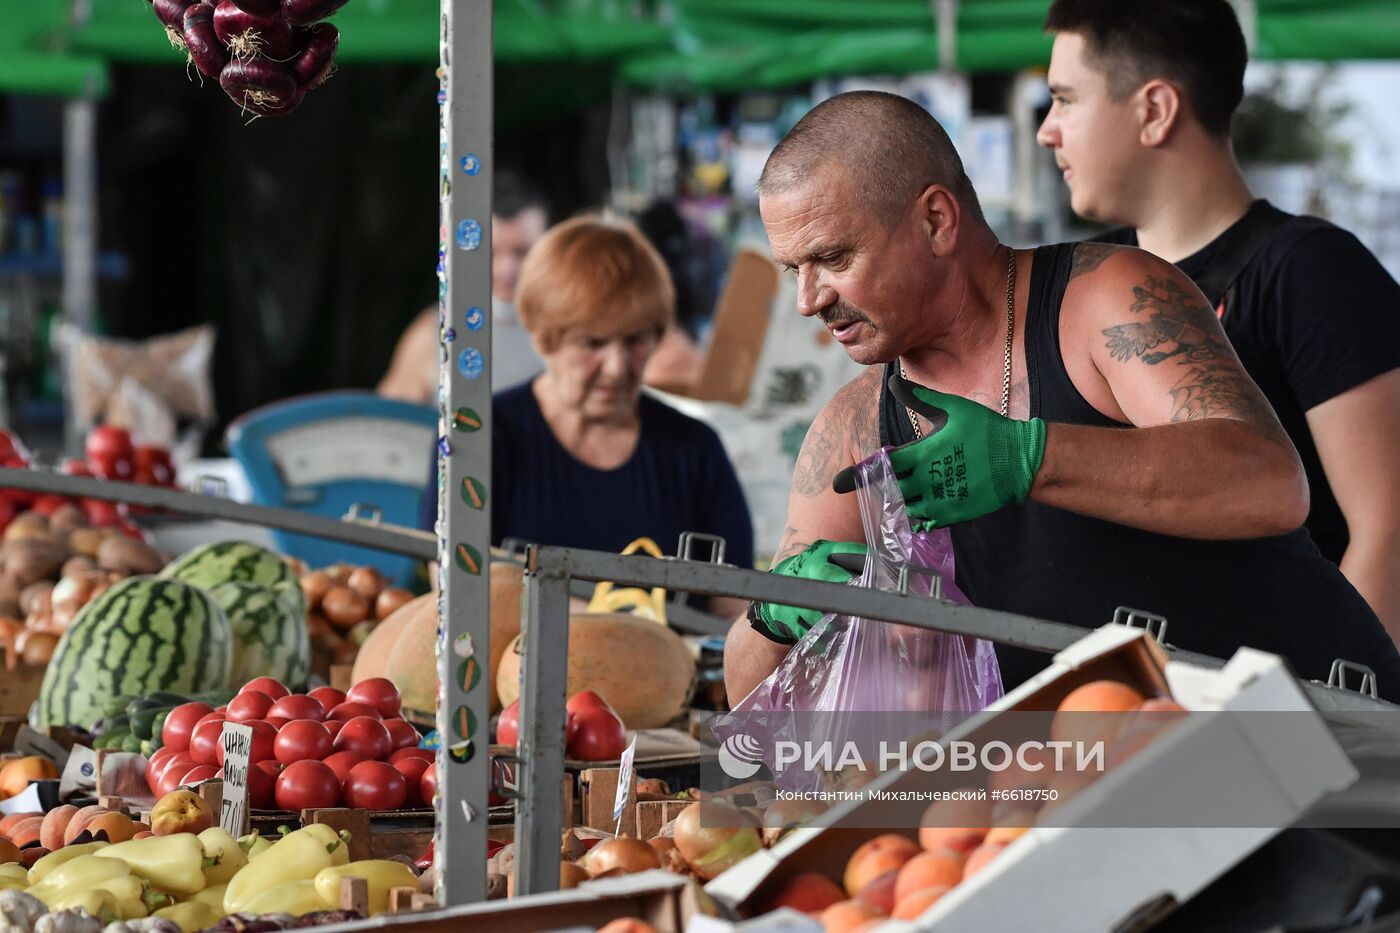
(19, 688)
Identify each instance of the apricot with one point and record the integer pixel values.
(955, 824)
(879, 893)
(808, 892)
(1090, 713)
(9, 852)
(876, 856)
(26, 832)
(1038, 772)
(55, 822)
(915, 903)
(929, 870)
(9, 822)
(17, 773)
(117, 826)
(1010, 833)
(80, 820)
(980, 856)
(1156, 714)
(848, 916)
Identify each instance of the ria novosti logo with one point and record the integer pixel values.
(740, 756)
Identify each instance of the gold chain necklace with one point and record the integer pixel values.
(1010, 332)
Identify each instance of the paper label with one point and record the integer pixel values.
(624, 780)
(238, 747)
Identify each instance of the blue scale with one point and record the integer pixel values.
(333, 453)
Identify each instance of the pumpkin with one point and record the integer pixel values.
(641, 667)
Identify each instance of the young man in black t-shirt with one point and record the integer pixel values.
(1143, 94)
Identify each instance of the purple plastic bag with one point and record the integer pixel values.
(847, 671)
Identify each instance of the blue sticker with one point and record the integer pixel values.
(449, 335)
(470, 363)
(442, 97)
(468, 235)
(471, 164)
(475, 319)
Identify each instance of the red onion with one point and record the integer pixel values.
(261, 87)
(313, 63)
(249, 36)
(306, 12)
(259, 7)
(172, 12)
(206, 51)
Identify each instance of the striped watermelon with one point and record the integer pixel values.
(213, 565)
(269, 636)
(142, 635)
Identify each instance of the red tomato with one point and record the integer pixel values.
(598, 735)
(111, 467)
(10, 446)
(48, 504)
(341, 762)
(179, 723)
(426, 754)
(277, 722)
(365, 735)
(301, 740)
(175, 768)
(378, 692)
(100, 514)
(329, 697)
(71, 466)
(297, 706)
(157, 761)
(427, 784)
(108, 441)
(198, 774)
(264, 737)
(402, 733)
(333, 726)
(249, 704)
(499, 777)
(508, 726)
(375, 785)
(412, 770)
(307, 784)
(206, 739)
(585, 698)
(350, 709)
(152, 464)
(269, 685)
(262, 787)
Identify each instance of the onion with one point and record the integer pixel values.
(261, 87)
(624, 855)
(171, 13)
(209, 55)
(366, 581)
(314, 585)
(260, 7)
(571, 875)
(343, 607)
(314, 63)
(306, 12)
(713, 836)
(249, 36)
(390, 601)
(36, 648)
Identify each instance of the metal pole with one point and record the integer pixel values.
(464, 473)
(945, 15)
(544, 674)
(79, 232)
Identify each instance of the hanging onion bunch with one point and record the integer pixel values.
(266, 54)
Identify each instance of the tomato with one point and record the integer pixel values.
(307, 784)
(508, 726)
(301, 740)
(375, 785)
(427, 754)
(262, 787)
(198, 774)
(333, 726)
(175, 768)
(108, 441)
(48, 504)
(341, 762)
(598, 735)
(10, 445)
(378, 692)
(402, 733)
(412, 770)
(276, 721)
(500, 778)
(585, 698)
(152, 465)
(269, 685)
(157, 760)
(427, 784)
(264, 739)
(71, 466)
(297, 706)
(329, 697)
(249, 704)
(365, 735)
(179, 723)
(100, 514)
(205, 740)
(350, 709)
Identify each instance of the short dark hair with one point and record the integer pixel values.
(892, 147)
(512, 194)
(1196, 44)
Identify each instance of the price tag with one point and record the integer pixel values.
(238, 747)
(624, 782)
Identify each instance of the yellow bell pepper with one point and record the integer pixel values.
(297, 856)
(381, 875)
(83, 873)
(213, 896)
(190, 916)
(40, 869)
(340, 855)
(254, 844)
(295, 898)
(227, 856)
(172, 863)
(101, 904)
(130, 894)
(14, 871)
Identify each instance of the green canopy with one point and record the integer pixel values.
(33, 57)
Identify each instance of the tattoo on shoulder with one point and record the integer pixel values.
(1089, 256)
(820, 458)
(849, 426)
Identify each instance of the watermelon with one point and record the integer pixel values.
(142, 635)
(269, 636)
(213, 565)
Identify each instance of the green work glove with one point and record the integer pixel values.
(819, 561)
(975, 463)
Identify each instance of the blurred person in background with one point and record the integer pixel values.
(1142, 100)
(519, 217)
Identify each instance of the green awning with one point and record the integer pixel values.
(33, 57)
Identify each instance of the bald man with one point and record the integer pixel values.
(1097, 445)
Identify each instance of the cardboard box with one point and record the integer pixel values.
(740, 326)
(19, 688)
(1094, 877)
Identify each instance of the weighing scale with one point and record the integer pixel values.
(339, 454)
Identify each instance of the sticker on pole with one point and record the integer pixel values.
(624, 782)
(238, 747)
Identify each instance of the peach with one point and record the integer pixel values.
(980, 856)
(1091, 713)
(55, 822)
(808, 892)
(916, 902)
(929, 870)
(848, 916)
(955, 824)
(1038, 770)
(26, 832)
(117, 826)
(879, 892)
(876, 856)
(9, 822)
(18, 772)
(80, 820)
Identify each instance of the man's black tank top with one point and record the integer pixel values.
(1274, 594)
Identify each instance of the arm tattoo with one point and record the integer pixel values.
(1184, 330)
(818, 461)
(790, 545)
(1089, 256)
